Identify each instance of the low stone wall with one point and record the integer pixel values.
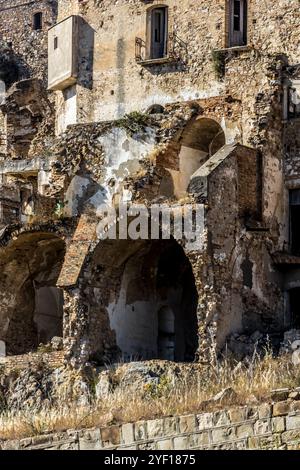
(267, 426)
(52, 359)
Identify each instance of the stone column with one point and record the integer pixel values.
(207, 306)
(76, 311)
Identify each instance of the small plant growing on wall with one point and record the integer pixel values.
(59, 209)
(134, 122)
(218, 60)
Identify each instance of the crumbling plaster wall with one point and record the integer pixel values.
(222, 308)
(237, 285)
(123, 85)
(251, 76)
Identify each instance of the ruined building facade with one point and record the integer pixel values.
(176, 103)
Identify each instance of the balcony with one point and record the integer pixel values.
(176, 52)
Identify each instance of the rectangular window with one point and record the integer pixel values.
(237, 15)
(157, 26)
(55, 42)
(237, 23)
(37, 21)
(158, 33)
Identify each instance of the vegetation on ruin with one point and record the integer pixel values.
(187, 393)
(134, 122)
(218, 60)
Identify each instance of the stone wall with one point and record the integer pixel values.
(16, 30)
(52, 359)
(120, 84)
(267, 426)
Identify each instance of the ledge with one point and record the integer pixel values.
(161, 60)
(235, 49)
(285, 259)
(28, 167)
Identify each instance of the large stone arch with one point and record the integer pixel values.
(201, 138)
(31, 311)
(128, 284)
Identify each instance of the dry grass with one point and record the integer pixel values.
(186, 394)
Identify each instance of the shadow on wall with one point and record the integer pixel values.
(86, 54)
(31, 310)
(12, 66)
(144, 301)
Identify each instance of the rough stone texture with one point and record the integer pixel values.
(247, 434)
(228, 109)
(16, 29)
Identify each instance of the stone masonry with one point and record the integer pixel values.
(135, 102)
(268, 426)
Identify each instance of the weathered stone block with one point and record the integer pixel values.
(293, 447)
(187, 424)
(170, 426)
(244, 430)
(25, 443)
(278, 424)
(223, 434)
(128, 433)
(281, 408)
(264, 411)
(241, 445)
(295, 406)
(221, 418)
(89, 444)
(237, 415)
(165, 444)
(127, 448)
(155, 428)
(294, 395)
(110, 436)
(264, 442)
(140, 431)
(90, 440)
(38, 440)
(181, 443)
(262, 426)
(66, 446)
(288, 436)
(204, 421)
(251, 412)
(198, 440)
(293, 422)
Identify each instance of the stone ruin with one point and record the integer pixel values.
(198, 109)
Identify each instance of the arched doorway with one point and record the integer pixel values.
(201, 139)
(31, 311)
(143, 291)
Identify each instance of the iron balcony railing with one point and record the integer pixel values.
(176, 50)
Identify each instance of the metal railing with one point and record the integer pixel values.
(176, 50)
